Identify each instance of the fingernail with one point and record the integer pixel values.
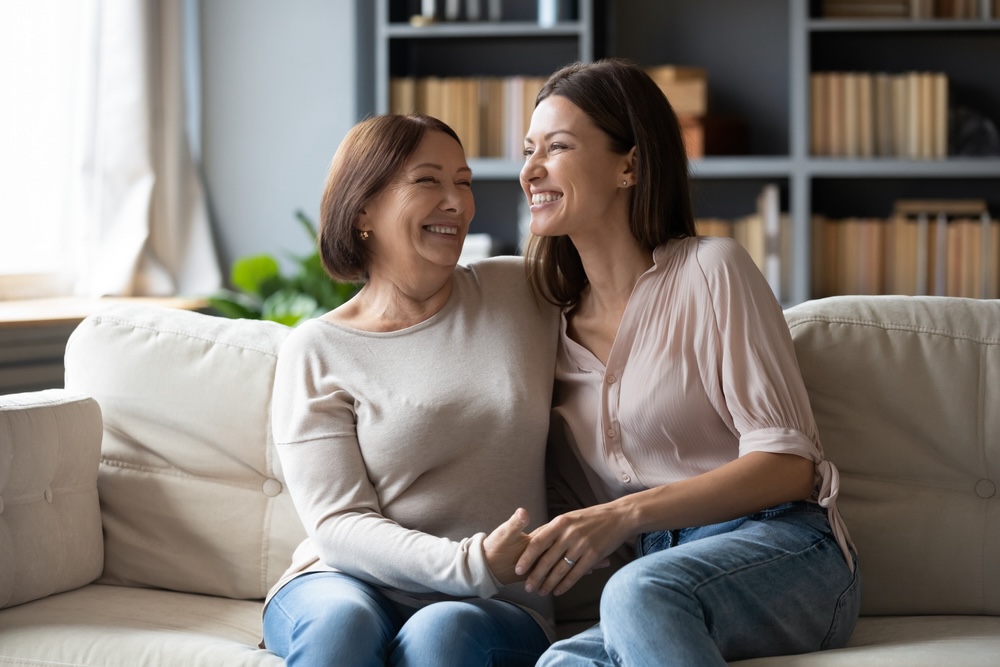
(528, 588)
(519, 570)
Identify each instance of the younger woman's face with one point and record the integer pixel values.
(571, 177)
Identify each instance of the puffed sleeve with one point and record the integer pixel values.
(761, 383)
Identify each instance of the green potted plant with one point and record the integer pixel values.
(262, 292)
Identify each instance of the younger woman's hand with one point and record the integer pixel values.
(505, 545)
(569, 547)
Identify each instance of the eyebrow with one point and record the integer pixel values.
(434, 165)
(550, 135)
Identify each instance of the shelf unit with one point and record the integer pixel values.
(968, 51)
(759, 55)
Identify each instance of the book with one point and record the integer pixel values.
(901, 255)
(769, 211)
(836, 136)
(884, 138)
(866, 114)
(939, 132)
(819, 114)
(851, 114)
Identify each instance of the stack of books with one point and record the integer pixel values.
(876, 114)
(927, 247)
(491, 115)
(912, 9)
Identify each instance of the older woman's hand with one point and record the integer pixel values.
(505, 545)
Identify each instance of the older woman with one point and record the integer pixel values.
(411, 424)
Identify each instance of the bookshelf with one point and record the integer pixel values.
(964, 51)
(760, 56)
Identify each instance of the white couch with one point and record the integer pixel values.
(143, 514)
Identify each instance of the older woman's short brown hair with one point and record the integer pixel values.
(368, 158)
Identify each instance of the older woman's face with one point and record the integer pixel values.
(420, 220)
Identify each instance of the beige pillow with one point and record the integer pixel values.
(906, 393)
(192, 496)
(50, 522)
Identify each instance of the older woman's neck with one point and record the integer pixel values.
(391, 305)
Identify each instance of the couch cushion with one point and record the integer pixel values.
(906, 393)
(191, 492)
(117, 626)
(905, 641)
(50, 522)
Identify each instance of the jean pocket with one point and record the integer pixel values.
(649, 543)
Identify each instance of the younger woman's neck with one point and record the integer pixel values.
(613, 266)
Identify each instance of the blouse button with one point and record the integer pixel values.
(611, 379)
(626, 478)
(611, 432)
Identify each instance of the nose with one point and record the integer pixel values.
(533, 168)
(456, 199)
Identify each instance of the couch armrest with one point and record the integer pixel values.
(50, 518)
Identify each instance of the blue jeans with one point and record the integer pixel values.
(771, 583)
(329, 618)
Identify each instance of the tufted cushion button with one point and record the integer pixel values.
(48, 494)
(272, 487)
(985, 488)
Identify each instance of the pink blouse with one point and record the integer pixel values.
(702, 371)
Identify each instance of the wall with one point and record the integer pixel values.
(281, 84)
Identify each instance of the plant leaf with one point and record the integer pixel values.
(235, 305)
(288, 307)
(251, 273)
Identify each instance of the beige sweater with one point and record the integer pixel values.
(402, 450)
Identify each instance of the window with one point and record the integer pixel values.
(40, 42)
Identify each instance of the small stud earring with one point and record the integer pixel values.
(624, 183)
(364, 235)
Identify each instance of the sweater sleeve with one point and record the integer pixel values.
(313, 421)
(761, 383)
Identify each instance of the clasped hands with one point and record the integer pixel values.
(554, 556)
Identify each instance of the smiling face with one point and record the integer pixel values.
(420, 219)
(571, 176)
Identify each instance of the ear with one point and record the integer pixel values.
(632, 161)
(630, 166)
(363, 221)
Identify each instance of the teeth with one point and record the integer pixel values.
(545, 197)
(437, 229)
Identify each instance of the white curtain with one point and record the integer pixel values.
(139, 211)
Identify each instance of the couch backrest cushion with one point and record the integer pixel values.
(906, 392)
(192, 496)
(50, 521)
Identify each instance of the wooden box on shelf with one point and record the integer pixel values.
(685, 87)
